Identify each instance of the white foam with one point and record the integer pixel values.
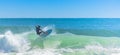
(36, 52)
(10, 42)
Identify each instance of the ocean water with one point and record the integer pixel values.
(72, 36)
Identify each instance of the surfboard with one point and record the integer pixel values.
(47, 32)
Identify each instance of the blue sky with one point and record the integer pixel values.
(59, 9)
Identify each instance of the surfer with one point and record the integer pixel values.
(39, 30)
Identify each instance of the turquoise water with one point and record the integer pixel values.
(87, 26)
(65, 23)
(69, 37)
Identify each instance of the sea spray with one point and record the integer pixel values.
(52, 27)
(12, 43)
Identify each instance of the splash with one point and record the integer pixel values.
(10, 42)
(50, 27)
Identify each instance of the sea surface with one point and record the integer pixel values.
(70, 36)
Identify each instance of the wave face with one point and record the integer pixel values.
(28, 43)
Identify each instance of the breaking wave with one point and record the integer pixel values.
(28, 43)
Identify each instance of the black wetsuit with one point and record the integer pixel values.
(38, 31)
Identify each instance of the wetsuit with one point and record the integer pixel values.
(38, 30)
